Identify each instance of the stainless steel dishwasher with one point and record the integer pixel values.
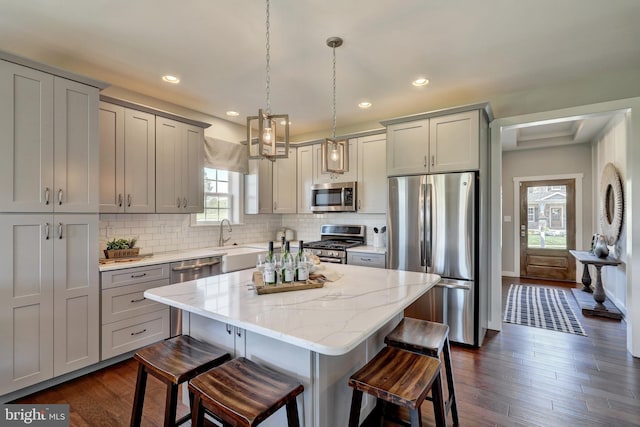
(184, 271)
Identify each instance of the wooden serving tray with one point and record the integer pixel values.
(261, 289)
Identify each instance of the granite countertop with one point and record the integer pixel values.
(331, 320)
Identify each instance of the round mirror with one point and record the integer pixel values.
(611, 204)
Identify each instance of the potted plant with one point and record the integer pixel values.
(121, 248)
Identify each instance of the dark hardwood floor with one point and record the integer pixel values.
(521, 376)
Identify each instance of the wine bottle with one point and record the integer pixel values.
(270, 267)
(302, 269)
(287, 265)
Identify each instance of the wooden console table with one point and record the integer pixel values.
(603, 307)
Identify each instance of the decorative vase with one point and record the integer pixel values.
(601, 249)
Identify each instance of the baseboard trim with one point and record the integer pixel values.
(510, 274)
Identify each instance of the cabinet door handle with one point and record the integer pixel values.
(60, 196)
(365, 259)
(184, 202)
(59, 230)
(359, 204)
(433, 160)
(139, 332)
(275, 206)
(425, 162)
(178, 201)
(46, 196)
(138, 300)
(119, 200)
(46, 231)
(239, 332)
(128, 200)
(134, 276)
(229, 329)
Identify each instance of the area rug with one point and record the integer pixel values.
(545, 308)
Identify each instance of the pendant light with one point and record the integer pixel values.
(335, 153)
(268, 134)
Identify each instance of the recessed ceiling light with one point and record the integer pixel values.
(364, 104)
(420, 82)
(232, 113)
(171, 79)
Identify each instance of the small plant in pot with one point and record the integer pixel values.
(120, 248)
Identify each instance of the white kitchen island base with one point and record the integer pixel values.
(319, 336)
(327, 397)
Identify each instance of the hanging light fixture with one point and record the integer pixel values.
(335, 153)
(268, 134)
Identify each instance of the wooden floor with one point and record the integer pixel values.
(521, 376)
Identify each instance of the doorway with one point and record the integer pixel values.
(547, 229)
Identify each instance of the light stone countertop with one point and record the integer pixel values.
(331, 320)
(173, 256)
(368, 249)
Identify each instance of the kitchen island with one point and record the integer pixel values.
(319, 336)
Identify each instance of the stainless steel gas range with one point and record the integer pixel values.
(334, 241)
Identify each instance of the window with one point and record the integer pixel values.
(222, 197)
(531, 213)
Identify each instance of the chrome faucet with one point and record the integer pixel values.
(222, 240)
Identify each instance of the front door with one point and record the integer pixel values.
(547, 229)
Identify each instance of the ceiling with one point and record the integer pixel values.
(471, 51)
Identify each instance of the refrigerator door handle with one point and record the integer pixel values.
(427, 245)
(423, 218)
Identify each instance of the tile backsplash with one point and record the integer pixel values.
(158, 233)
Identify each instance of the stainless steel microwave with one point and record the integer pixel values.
(333, 197)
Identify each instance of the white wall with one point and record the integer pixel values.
(568, 159)
(610, 147)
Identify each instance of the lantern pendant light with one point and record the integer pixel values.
(335, 153)
(268, 134)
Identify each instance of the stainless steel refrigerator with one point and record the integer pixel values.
(433, 227)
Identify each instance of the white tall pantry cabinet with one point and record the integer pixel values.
(49, 300)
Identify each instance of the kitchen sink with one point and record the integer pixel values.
(239, 258)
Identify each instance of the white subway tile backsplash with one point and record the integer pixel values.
(158, 233)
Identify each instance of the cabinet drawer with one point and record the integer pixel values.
(128, 276)
(124, 302)
(130, 334)
(366, 259)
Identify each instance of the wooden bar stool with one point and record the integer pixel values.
(401, 378)
(173, 362)
(430, 339)
(242, 393)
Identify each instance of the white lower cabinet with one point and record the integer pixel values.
(367, 259)
(129, 320)
(49, 297)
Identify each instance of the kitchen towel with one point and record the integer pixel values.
(541, 307)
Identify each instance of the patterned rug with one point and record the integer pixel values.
(545, 308)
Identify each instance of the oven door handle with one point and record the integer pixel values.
(331, 260)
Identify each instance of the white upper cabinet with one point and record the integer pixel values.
(127, 160)
(179, 154)
(285, 184)
(444, 143)
(305, 178)
(408, 148)
(50, 151)
(454, 142)
(322, 177)
(258, 187)
(372, 179)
